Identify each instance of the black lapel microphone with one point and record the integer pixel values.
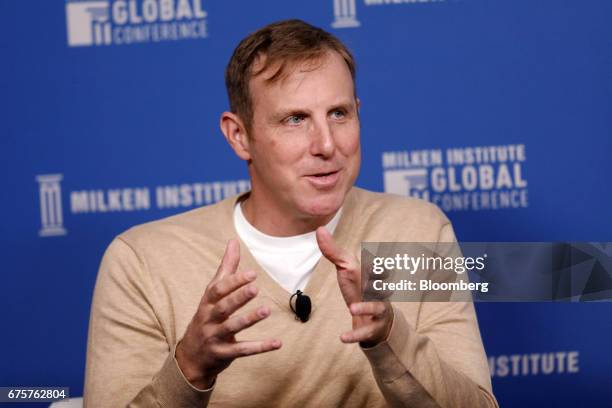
(302, 306)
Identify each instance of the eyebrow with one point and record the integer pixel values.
(348, 105)
(284, 113)
(280, 115)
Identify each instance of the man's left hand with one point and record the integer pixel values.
(371, 320)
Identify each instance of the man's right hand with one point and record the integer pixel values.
(209, 346)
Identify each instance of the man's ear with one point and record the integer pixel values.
(235, 133)
(358, 103)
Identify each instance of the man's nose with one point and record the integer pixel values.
(322, 139)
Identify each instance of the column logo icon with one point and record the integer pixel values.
(50, 192)
(88, 23)
(345, 13)
(408, 183)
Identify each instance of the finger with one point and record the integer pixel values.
(329, 249)
(362, 334)
(347, 266)
(238, 323)
(376, 309)
(231, 258)
(224, 308)
(219, 289)
(248, 348)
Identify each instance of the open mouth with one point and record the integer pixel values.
(324, 180)
(324, 174)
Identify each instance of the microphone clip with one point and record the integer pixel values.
(303, 306)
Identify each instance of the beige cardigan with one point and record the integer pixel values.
(152, 278)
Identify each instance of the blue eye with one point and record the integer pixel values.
(294, 119)
(338, 114)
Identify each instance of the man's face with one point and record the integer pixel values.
(304, 139)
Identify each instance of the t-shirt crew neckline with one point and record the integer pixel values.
(275, 255)
(323, 278)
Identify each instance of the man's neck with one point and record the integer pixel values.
(275, 222)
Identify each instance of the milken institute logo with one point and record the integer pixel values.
(121, 22)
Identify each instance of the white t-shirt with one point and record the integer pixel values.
(288, 260)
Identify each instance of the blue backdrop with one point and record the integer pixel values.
(498, 111)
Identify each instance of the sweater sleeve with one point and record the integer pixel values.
(440, 363)
(129, 359)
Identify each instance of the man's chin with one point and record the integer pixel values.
(326, 205)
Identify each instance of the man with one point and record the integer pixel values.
(195, 309)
